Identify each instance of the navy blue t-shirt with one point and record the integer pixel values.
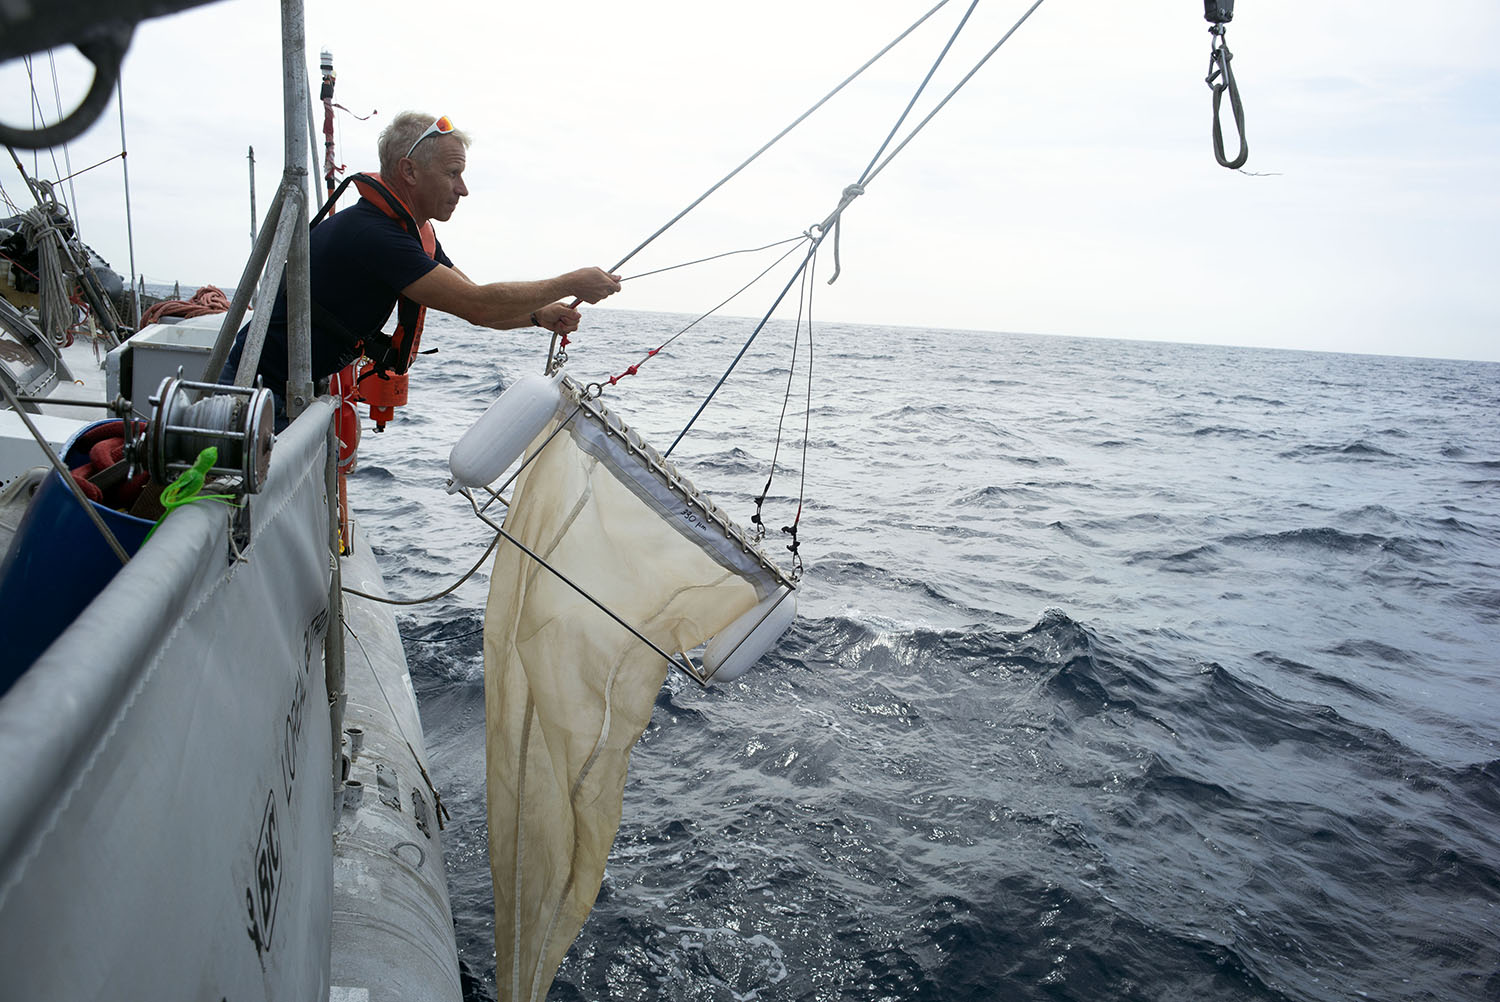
(361, 259)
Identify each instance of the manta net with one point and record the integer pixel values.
(568, 689)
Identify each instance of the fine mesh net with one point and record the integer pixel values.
(568, 691)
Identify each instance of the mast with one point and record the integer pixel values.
(330, 164)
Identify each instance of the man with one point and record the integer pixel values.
(365, 257)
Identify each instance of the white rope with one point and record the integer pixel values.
(715, 257)
(949, 96)
(43, 233)
(778, 137)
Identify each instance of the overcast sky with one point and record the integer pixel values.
(1070, 188)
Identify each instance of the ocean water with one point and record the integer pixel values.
(1123, 670)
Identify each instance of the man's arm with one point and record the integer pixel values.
(504, 305)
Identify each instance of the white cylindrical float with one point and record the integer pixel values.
(503, 431)
(731, 651)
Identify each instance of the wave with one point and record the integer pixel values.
(995, 496)
(1194, 560)
(1319, 538)
(1325, 679)
(366, 472)
(1373, 651)
(849, 571)
(1357, 450)
(1046, 940)
(1244, 398)
(1229, 431)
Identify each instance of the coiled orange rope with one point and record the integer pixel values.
(208, 299)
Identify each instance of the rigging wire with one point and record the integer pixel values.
(786, 399)
(780, 135)
(812, 250)
(920, 88)
(830, 224)
(956, 88)
(791, 530)
(804, 304)
(715, 257)
(38, 117)
(67, 155)
(85, 170)
(631, 370)
(135, 297)
(557, 352)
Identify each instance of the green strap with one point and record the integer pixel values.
(185, 489)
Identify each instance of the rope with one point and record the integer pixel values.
(832, 222)
(207, 300)
(950, 95)
(43, 229)
(632, 370)
(804, 300)
(442, 640)
(441, 810)
(791, 530)
(780, 135)
(67, 154)
(816, 239)
(920, 88)
(188, 488)
(715, 257)
(101, 163)
(429, 598)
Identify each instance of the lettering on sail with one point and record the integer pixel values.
(264, 892)
(694, 519)
(291, 736)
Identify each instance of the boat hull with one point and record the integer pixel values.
(165, 788)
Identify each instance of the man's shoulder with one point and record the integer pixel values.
(363, 230)
(361, 217)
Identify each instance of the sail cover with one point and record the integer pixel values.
(568, 691)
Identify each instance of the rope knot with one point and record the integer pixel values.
(836, 220)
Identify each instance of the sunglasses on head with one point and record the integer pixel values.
(439, 128)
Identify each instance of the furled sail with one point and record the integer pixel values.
(568, 690)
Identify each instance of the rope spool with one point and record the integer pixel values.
(237, 421)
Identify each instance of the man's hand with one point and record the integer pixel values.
(591, 284)
(558, 318)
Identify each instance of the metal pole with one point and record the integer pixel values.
(293, 218)
(314, 161)
(129, 225)
(333, 644)
(295, 106)
(243, 292)
(251, 157)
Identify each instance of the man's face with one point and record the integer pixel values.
(440, 182)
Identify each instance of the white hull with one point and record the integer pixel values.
(173, 818)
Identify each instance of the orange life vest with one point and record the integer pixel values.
(389, 353)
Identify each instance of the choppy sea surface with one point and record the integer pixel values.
(1123, 670)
